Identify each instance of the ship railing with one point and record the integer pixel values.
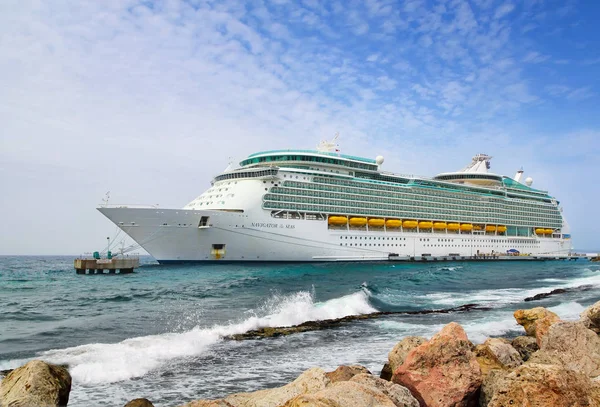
(132, 206)
(90, 256)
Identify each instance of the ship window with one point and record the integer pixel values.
(203, 221)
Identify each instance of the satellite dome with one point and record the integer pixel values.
(379, 159)
(529, 181)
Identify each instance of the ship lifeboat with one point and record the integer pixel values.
(358, 221)
(501, 229)
(337, 220)
(477, 227)
(540, 231)
(453, 226)
(393, 223)
(549, 231)
(376, 222)
(466, 227)
(425, 224)
(439, 225)
(490, 228)
(409, 224)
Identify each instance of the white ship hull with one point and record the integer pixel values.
(174, 235)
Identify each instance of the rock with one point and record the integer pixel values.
(595, 392)
(590, 317)
(525, 345)
(503, 352)
(542, 386)
(572, 345)
(36, 383)
(496, 353)
(208, 403)
(139, 403)
(343, 394)
(311, 381)
(490, 385)
(399, 395)
(443, 371)
(536, 321)
(386, 372)
(345, 373)
(398, 353)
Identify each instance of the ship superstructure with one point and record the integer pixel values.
(320, 205)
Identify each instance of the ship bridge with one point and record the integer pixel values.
(308, 157)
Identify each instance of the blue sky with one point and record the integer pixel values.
(150, 99)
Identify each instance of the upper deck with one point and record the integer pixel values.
(310, 156)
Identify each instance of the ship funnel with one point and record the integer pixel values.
(519, 175)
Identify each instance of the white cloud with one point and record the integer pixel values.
(504, 10)
(534, 57)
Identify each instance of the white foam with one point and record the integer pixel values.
(507, 295)
(568, 311)
(454, 268)
(106, 363)
(481, 329)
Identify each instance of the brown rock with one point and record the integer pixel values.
(536, 321)
(591, 317)
(343, 394)
(36, 383)
(345, 373)
(595, 394)
(208, 403)
(496, 353)
(525, 345)
(490, 385)
(139, 403)
(533, 385)
(443, 371)
(386, 372)
(572, 345)
(399, 395)
(311, 381)
(398, 353)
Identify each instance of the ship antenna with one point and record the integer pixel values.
(105, 199)
(329, 146)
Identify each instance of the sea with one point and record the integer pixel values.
(161, 332)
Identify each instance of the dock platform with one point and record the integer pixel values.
(116, 265)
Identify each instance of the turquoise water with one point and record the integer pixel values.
(158, 333)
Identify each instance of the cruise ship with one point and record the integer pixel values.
(321, 205)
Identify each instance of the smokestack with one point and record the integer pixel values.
(519, 175)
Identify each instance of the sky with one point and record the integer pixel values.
(151, 99)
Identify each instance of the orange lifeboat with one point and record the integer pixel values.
(393, 223)
(540, 231)
(337, 220)
(549, 231)
(466, 227)
(358, 221)
(375, 222)
(501, 229)
(409, 224)
(490, 228)
(453, 226)
(439, 225)
(425, 224)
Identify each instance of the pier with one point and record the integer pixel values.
(115, 265)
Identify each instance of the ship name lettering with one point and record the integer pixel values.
(264, 225)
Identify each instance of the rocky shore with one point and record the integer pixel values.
(555, 364)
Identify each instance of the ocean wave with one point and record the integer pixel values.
(453, 268)
(135, 357)
(500, 297)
